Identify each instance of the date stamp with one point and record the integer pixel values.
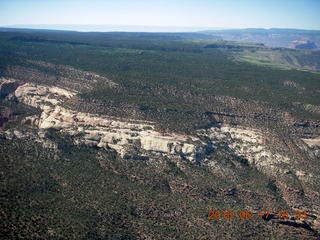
(230, 214)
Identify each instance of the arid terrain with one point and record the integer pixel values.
(139, 136)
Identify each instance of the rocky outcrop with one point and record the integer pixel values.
(262, 149)
(40, 96)
(312, 142)
(285, 161)
(307, 107)
(102, 131)
(122, 136)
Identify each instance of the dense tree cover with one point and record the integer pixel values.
(168, 78)
(123, 57)
(86, 193)
(81, 192)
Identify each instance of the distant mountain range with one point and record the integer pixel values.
(111, 28)
(274, 37)
(288, 38)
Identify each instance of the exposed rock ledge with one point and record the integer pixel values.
(252, 145)
(313, 142)
(101, 131)
(123, 136)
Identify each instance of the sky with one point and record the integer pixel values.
(193, 14)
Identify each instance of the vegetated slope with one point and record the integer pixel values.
(168, 75)
(81, 192)
(247, 122)
(281, 58)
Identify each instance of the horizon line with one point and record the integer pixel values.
(149, 28)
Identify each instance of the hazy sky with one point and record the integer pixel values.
(192, 13)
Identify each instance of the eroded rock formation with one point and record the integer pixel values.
(101, 131)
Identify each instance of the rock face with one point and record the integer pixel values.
(314, 142)
(284, 160)
(259, 149)
(42, 97)
(250, 144)
(123, 136)
(101, 131)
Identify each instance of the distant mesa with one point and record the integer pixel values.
(303, 44)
